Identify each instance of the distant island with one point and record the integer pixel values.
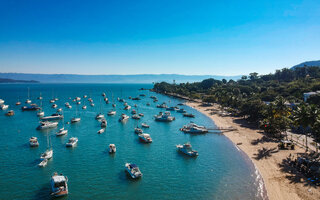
(315, 63)
(138, 78)
(7, 80)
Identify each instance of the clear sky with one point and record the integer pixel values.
(229, 37)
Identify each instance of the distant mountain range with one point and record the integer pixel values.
(7, 80)
(315, 63)
(139, 78)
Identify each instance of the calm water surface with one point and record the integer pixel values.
(219, 172)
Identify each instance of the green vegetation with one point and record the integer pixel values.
(272, 101)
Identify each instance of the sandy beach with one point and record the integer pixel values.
(264, 153)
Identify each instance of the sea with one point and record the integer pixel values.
(221, 171)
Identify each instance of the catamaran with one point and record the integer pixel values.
(59, 185)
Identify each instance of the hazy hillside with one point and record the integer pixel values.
(7, 80)
(141, 78)
(308, 63)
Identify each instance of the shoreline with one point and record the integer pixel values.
(278, 182)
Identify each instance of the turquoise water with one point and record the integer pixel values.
(219, 172)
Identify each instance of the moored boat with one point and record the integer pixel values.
(164, 117)
(123, 118)
(33, 141)
(188, 115)
(30, 108)
(103, 123)
(194, 128)
(72, 142)
(54, 116)
(101, 131)
(112, 112)
(138, 130)
(10, 113)
(59, 185)
(46, 125)
(47, 154)
(133, 170)
(187, 149)
(144, 137)
(112, 148)
(144, 125)
(4, 107)
(43, 163)
(61, 132)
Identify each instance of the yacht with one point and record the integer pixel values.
(123, 118)
(194, 128)
(188, 115)
(75, 119)
(163, 105)
(112, 148)
(33, 141)
(18, 103)
(103, 123)
(43, 163)
(100, 116)
(72, 142)
(144, 137)
(187, 149)
(133, 170)
(136, 117)
(84, 107)
(138, 130)
(112, 112)
(40, 113)
(1, 101)
(101, 130)
(47, 154)
(4, 107)
(144, 125)
(59, 185)
(10, 113)
(46, 125)
(54, 116)
(61, 132)
(29, 108)
(164, 117)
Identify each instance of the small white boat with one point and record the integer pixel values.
(69, 106)
(187, 149)
(112, 148)
(84, 96)
(56, 99)
(104, 123)
(72, 142)
(163, 105)
(141, 114)
(164, 117)
(33, 141)
(59, 185)
(100, 116)
(54, 116)
(43, 163)
(133, 170)
(103, 94)
(194, 128)
(46, 125)
(101, 131)
(127, 107)
(138, 130)
(40, 113)
(1, 101)
(10, 113)
(136, 117)
(28, 101)
(144, 125)
(47, 154)
(18, 103)
(84, 107)
(78, 98)
(59, 110)
(123, 118)
(61, 132)
(52, 101)
(144, 137)
(75, 119)
(114, 105)
(112, 112)
(92, 104)
(4, 107)
(54, 106)
(79, 102)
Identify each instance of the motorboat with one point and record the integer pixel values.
(106, 99)
(18, 103)
(55, 116)
(4, 107)
(92, 104)
(136, 117)
(46, 125)
(69, 106)
(114, 105)
(85, 96)
(136, 98)
(144, 125)
(188, 115)
(100, 116)
(61, 132)
(84, 107)
(164, 117)
(163, 105)
(59, 110)
(138, 130)
(194, 128)
(127, 107)
(72, 142)
(10, 113)
(1, 101)
(171, 108)
(123, 118)
(28, 101)
(112, 112)
(54, 106)
(103, 94)
(52, 100)
(181, 110)
(144, 137)
(125, 104)
(133, 170)
(112, 148)
(59, 185)
(47, 154)
(101, 130)
(33, 141)
(141, 114)
(43, 163)
(187, 149)
(79, 102)
(103, 123)
(78, 98)
(133, 111)
(56, 99)
(40, 113)
(75, 119)
(30, 108)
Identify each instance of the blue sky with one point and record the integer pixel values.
(166, 36)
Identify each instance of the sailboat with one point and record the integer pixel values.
(62, 131)
(28, 100)
(113, 111)
(40, 113)
(100, 115)
(49, 152)
(75, 118)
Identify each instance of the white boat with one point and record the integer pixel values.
(72, 142)
(127, 107)
(40, 113)
(52, 101)
(194, 128)
(61, 132)
(104, 123)
(181, 110)
(164, 117)
(163, 105)
(33, 141)
(123, 118)
(18, 103)
(112, 148)
(144, 125)
(144, 137)
(112, 112)
(43, 163)
(75, 119)
(114, 105)
(59, 110)
(47, 154)
(78, 98)
(79, 102)
(10, 113)
(141, 114)
(28, 101)
(133, 112)
(69, 106)
(84, 96)
(103, 94)
(54, 116)
(92, 104)
(4, 107)
(46, 125)
(138, 130)
(59, 185)
(187, 149)
(100, 116)
(1, 101)
(136, 117)
(133, 170)
(101, 131)
(54, 106)
(84, 107)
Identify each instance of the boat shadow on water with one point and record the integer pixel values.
(44, 193)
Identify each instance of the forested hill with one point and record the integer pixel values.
(7, 80)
